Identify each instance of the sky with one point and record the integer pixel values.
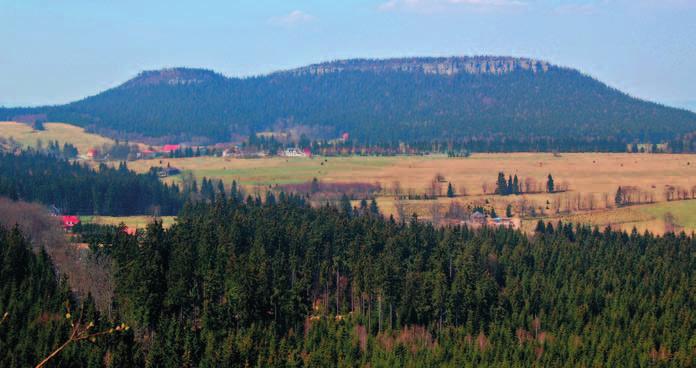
(56, 51)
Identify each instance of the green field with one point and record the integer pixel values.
(276, 170)
(650, 217)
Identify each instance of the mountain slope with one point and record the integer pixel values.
(410, 99)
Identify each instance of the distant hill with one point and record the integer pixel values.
(378, 101)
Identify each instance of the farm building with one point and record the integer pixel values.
(504, 222)
(147, 154)
(92, 153)
(168, 171)
(296, 152)
(69, 222)
(170, 148)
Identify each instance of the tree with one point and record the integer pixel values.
(373, 207)
(619, 198)
(515, 185)
(450, 190)
(38, 125)
(346, 207)
(493, 213)
(549, 184)
(540, 227)
(508, 210)
(501, 185)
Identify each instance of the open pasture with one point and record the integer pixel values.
(63, 133)
(584, 172)
(587, 174)
(651, 217)
(136, 222)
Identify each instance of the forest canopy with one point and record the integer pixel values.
(282, 284)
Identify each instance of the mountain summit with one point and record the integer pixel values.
(481, 98)
(428, 65)
(172, 77)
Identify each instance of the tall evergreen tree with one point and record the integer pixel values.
(549, 184)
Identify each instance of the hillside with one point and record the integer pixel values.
(378, 101)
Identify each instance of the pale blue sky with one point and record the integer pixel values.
(54, 51)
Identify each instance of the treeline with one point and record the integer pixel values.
(281, 284)
(75, 188)
(513, 185)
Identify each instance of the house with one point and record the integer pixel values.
(478, 218)
(170, 148)
(294, 152)
(168, 171)
(504, 222)
(130, 230)
(92, 153)
(69, 222)
(147, 154)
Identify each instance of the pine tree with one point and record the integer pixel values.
(508, 211)
(346, 207)
(549, 184)
(541, 227)
(501, 184)
(373, 207)
(234, 193)
(515, 185)
(450, 190)
(618, 198)
(363, 204)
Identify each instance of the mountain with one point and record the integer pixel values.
(378, 101)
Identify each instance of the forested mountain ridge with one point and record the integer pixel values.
(378, 101)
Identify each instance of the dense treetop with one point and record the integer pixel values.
(76, 188)
(281, 284)
(378, 101)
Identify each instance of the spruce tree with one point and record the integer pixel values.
(373, 207)
(501, 184)
(450, 190)
(549, 184)
(618, 198)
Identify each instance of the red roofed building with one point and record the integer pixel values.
(170, 147)
(69, 221)
(92, 153)
(129, 230)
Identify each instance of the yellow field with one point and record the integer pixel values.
(137, 222)
(585, 172)
(63, 133)
(590, 175)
